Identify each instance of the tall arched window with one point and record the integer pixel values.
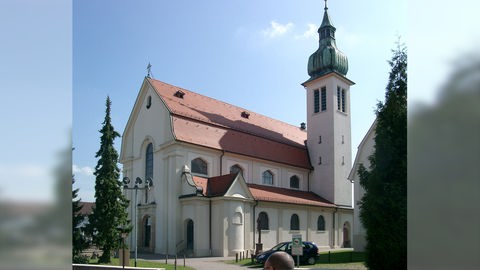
(321, 223)
(236, 169)
(199, 166)
(294, 223)
(148, 166)
(294, 182)
(267, 178)
(263, 221)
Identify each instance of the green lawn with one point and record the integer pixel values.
(328, 260)
(143, 263)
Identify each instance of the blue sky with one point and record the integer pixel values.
(60, 59)
(36, 96)
(249, 53)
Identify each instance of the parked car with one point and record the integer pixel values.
(310, 252)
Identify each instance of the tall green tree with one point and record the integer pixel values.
(383, 209)
(110, 210)
(79, 242)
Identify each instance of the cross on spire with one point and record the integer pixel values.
(325, 5)
(149, 70)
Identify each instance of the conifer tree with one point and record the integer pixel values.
(109, 212)
(383, 209)
(79, 242)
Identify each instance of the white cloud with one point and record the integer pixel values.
(88, 171)
(311, 32)
(277, 29)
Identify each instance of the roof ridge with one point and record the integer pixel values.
(214, 124)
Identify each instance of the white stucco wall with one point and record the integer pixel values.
(196, 209)
(329, 178)
(320, 237)
(365, 149)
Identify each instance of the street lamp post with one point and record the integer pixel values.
(123, 235)
(136, 187)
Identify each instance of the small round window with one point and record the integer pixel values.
(149, 102)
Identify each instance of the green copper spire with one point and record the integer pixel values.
(328, 58)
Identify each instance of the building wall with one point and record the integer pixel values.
(253, 169)
(365, 149)
(138, 134)
(329, 141)
(196, 209)
(227, 237)
(279, 224)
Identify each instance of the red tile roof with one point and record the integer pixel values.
(201, 182)
(87, 208)
(223, 127)
(215, 186)
(218, 186)
(284, 195)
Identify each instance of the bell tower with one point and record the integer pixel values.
(328, 118)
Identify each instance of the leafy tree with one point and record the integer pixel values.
(383, 209)
(109, 212)
(79, 243)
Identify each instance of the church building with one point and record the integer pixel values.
(364, 151)
(225, 178)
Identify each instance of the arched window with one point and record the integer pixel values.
(148, 166)
(294, 182)
(262, 221)
(321, 223)
(346, 235)
(149, 102)
(236, 169)
(199, 166)
(149, 161)
(294, 223)
(267, 178)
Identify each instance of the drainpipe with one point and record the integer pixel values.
(210, 225)
(254, 223)
(221, 162)
(333, 226)
(308, 180)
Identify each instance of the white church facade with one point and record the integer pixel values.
(365, 149)
(222, 174)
